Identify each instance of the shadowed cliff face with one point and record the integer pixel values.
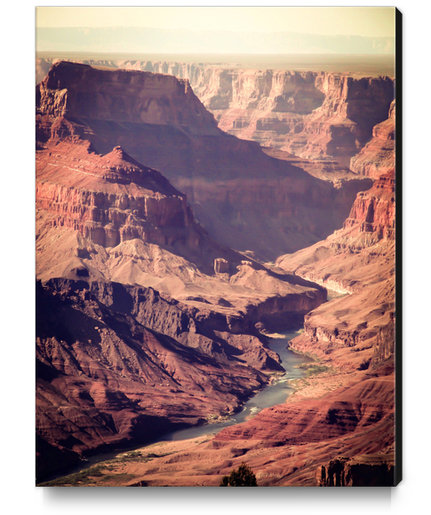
(378, 155)
(245, 198)
(366, 470)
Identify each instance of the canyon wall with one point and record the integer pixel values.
(358, 260)
(104, 379)
(378, 155)
(224, 177)
(338, 427)
(313, 115)
(321, 116)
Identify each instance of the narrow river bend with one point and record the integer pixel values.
(275, 393)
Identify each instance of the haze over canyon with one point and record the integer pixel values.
(187, 213)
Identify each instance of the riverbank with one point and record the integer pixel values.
(107, 464)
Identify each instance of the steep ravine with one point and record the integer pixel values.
(224, 177)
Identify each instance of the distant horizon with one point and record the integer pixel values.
(357, 65)
(185, 41)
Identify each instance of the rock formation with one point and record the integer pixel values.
(367, 470)
(111, 349)
(224, 178)
(324, 116)
(339, 429)
(358, 260)
(378, 155)
(104, 378)
(146, 323)
(130, 307)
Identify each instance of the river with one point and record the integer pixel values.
(275, 393)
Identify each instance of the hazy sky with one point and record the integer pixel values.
(359, 21)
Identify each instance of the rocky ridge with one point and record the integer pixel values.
(223, 177)
(360, 260)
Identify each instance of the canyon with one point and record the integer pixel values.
(320, 116)
(224, 178)
(169, 246)
(338, 428)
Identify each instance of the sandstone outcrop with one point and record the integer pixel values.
(378, 155)
(224, 178)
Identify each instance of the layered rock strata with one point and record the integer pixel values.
(133, 331)
(378, 155)
(313, 115)
(224, 178)
(358, 260)
(323, 116)
(340, 428)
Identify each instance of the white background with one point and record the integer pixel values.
(17, 295)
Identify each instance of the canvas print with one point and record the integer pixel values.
(216, 246)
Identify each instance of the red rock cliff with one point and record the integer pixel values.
(378, 155)
(275, 107)
(89, 92)
(222, 176)
(111, 198)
